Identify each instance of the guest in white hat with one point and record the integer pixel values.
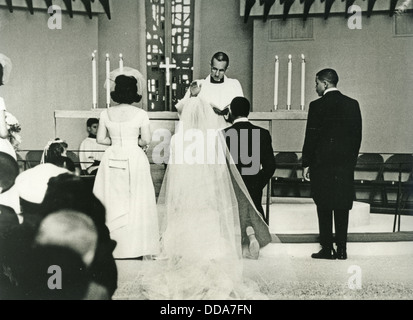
(32, 185)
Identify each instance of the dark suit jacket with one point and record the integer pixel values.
(243, 140)
(331, 147)
(8, 219)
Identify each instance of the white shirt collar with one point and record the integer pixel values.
(330, 89)
(208, 79)
(244, 119)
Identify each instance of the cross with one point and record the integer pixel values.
(167, 66)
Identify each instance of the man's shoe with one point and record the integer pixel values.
(325, 253)
(341, 253)
(254, 246)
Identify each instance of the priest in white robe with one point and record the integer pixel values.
(217, 89)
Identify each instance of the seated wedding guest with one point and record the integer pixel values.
(61, 249)
(9, 170)
(15, 250)
(31, 186)
(8, 217)
(91, 152)
(55, 273)
(68, 191)
(56, 188)
(56, 153)
(60, 231)
(71, 229)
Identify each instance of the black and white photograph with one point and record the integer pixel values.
(206, 155)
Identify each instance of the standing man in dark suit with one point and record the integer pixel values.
(330, 151)
(251, 149)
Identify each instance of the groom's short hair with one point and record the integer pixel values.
(240, 107)
(328, 75)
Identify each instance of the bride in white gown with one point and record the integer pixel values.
(201, 256)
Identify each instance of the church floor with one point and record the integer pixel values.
(285, 271)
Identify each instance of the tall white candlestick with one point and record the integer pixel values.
(276, 83)
(107, 80)
(121, 62)
(94, 82)
(302, 81)
(290, 68)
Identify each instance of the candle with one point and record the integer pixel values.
(107, 80)
(290, 68)
(121, 62)
(276, 83)
(94, 82)
(302, 81)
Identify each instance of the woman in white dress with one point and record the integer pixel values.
(123, 182)
(11, 197)
(5, 145)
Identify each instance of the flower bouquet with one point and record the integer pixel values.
(13, 126)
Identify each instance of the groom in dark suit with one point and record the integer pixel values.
(330, 151)
(251, 149)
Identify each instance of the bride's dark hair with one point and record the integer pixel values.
(1, 74)
(126, 90)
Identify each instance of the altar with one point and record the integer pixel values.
(278, 117)
(166, 120)
(289, 209)
(266, 117)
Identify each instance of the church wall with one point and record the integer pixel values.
(125, 33)
(51, 71)
(52, 68)
(373, 67)
(223, 29)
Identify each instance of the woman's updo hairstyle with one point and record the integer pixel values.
(55, 151)
(126, 90)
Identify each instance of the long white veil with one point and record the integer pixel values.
(198, 208)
